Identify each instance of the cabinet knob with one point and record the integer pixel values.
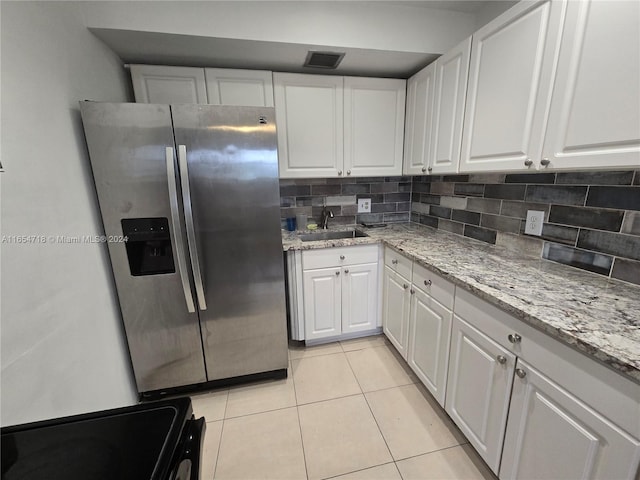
(346, 271)
(412, 291)
(339, 172)
(424, 169)
(514, 338)
(341, 257)
(394, 261)
(405, 286)
(501, 359)
(348, 172)
(521, 373)
(545, 162)
(528, 162)
(430, 168)
(427, 283)
(337, 273)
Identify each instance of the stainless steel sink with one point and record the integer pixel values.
(312, 237)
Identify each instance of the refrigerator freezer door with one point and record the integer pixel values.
(233, 174)
(128, 148)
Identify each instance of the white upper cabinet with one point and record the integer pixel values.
(373, 126)
(310, 124)
(594, 119)
(239, 87)
(510, 78)
(161, 84)
(420, 89)
(451, 74)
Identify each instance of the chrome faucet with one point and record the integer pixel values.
(324, 217)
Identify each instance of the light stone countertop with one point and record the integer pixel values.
(593, 314)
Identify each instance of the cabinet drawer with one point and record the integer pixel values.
(336, 257)
(434, 285)
(398, 263)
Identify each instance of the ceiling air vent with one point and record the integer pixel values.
(323, 59)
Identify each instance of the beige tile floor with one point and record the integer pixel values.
(348, 410)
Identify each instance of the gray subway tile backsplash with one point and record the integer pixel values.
(594, 178)
(559, 194)
(506, 192)
(626, 270)
(596, 218)
(623, 198)
(617, 244)
(590, 261)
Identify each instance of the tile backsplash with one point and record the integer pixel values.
(592, 219)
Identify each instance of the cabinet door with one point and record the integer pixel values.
(451, 74)
(510, 77)
(420, 90)
(226, 86)
(322, 303)
(430, 331)
(478, 389)
(359, 297)
(551, 434)
(594, 119)
(373, 125)
(159, 84)
(310, 124)
(395, 310)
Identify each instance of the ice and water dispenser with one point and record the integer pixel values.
(148, 246)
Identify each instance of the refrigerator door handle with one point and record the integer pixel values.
(191, 231)
(177, 231)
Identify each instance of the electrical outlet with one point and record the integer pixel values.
(364, 205)
(535, 219)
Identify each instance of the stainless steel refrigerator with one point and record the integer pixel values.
(200, 277)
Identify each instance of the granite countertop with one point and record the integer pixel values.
(595, 315)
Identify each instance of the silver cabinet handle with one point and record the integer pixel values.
(528, 162)
(191, 230)
(424, 169)
(394, 261)
(412, 291)
(521, 373)
(339, 172)
(177, 229)
(348, 172)
(514, 338)
(430, 168)
(501, 359)
(337, 273)
(405, 286)
(341, 257)
(427, 283)
(346, 271)
(545, 162)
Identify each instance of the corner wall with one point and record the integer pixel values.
(63, 350)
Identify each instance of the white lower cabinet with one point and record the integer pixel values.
(359, 298)
(395, 313)
(478, 389)
(322, 302)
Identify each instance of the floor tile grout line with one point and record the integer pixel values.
(359, 470)
(304, 454)
(215, 470)
(433, 451)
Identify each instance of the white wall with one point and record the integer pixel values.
(370, 25)
(63, 349)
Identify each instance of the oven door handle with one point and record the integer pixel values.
(188, 464)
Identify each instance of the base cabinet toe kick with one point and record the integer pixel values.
(531, 406)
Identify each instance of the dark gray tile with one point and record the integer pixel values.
(397, 179)
(449, 226)
(624, 198)
(497, 222)
(397, 197)
(470, 189)
(487, 177)
(311, 181)
(287, 201)
(455, 178)
(349, 209)
(442, 188)
(441, 212)
(636, 178)
(285, 182)
(369, 217)
(403, 206)
(374, 197)
(421, 179)
(465, 216)
(304, 201)
(295, 190)
(404, 186)
(595, 178)
(626, 270)
(353, 188)
(421, 188)
(560, 234)
(386, 187)
(621, 245)
(429, 221)
(383, 207)
(530, 178)
(415, 217)
(631, 223)
(507, 192)
(396, 217)
(482, 234)
(483, 205)
(560, 194)
(338, 181)
(326, 189)
(587, 217)
(343, 220)
(430, 199)
(519, 209)
(590, 261)
(367, 179)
